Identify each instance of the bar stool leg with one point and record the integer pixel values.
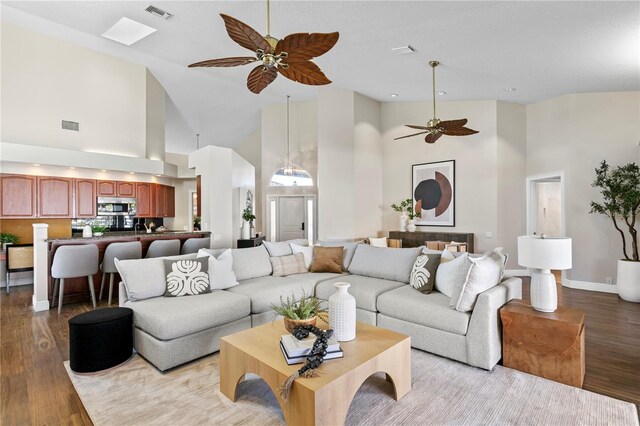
(111, 277)
(55, 292)
(8, 276)
(102, 285)
(93, 294)
(61, 295)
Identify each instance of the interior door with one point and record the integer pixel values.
(291, 218)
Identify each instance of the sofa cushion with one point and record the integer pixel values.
(423, 274)
(167, 318)
(251, 262)
(266, 291)
(349, 249)
(145, 278)
(386, 263)
(451, 272)
(291, 264)
(283, 248)
(187, 277)
(486, 272)
(327, 259)
(364, 289)
(431, 310)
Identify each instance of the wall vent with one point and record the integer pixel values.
(158, 12)
(70, 125)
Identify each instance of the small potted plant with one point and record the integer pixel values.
(620, 189)
(402, 208)
(303, 311)
(98, 230)
(7, 239)
(248, 217)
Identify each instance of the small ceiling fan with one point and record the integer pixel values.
(290, 56)
(436, 128)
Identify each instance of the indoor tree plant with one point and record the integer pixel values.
(402, 208)
(620, 189)
(297, 312)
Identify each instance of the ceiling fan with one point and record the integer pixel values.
(436, 128)
(290, 56)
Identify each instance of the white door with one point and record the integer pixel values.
(291, 218)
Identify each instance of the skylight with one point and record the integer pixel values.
(127, 31)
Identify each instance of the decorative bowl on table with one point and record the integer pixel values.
(98, 234)
(290, 324)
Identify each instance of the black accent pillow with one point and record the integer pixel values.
(186, 277)
(423, 273)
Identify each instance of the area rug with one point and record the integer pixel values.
(444, 392)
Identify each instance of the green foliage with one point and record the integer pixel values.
(248, 215)
(304, 308)
(96, 229)
(405, 206)
(6, 238)
(620, 189)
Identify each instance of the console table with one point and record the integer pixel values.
(417, 239)
(251, 242)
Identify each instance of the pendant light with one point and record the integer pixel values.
(288, 167)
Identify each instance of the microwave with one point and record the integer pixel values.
(108, 206)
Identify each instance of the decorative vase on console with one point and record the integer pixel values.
(342, 313)
(252, 230)
(411, 227)
(403, 221)
(246, 230)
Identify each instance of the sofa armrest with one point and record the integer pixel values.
(123, 296)
(484, 336)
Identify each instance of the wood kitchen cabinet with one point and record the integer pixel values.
(107, 188)
(55, 197)
(161, 196)
(17, 196)
(170, 201)
(126, 189)
(145, 201)
(85, 198)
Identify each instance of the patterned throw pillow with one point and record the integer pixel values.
(288, 265)
(186, 277)
(423, 274)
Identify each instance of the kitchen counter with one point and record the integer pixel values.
(133, 236)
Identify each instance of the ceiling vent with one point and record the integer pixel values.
(403, 50)
(158, 12)
(70, 125)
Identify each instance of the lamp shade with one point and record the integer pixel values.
(544, 253)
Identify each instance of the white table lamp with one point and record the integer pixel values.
(543, 254)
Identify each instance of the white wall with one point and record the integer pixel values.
(154, 114)
(251, 150)
(184, 205)
(45, 80)
(573, 133)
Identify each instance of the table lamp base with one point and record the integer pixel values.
(544, 293)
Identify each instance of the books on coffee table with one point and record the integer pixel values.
(296, 351)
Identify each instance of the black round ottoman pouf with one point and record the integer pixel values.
(100, 339)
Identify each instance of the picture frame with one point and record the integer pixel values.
(433, 192)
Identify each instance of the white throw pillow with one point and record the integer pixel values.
(378, 242)
(451, 272)
(485, 272)
(221, 275)
(307, 252)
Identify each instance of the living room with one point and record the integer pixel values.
(548, 91)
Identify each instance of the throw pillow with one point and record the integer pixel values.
(327, 259)
(186, 277)
(451, 272)
(349, 250)
(485, 272)
(307, 251)
(378, 242)
(283, 248)
(423, 274)
(288, 265)
(221, 275)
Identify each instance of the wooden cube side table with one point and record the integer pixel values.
(549, 345)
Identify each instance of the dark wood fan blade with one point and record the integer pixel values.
(431, 138)
(244, 35)
(225, 62)
(259, 78)
(408, 136)
(413, 126)
(305, 46)
(460, 131)
(452, 124)
(306, 73)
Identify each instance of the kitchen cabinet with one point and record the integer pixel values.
(55, 196)
(126, 189)
(145, 201)
(161, 195)
(107, 188)
(170, 201)
(17, 196)
(85, 198)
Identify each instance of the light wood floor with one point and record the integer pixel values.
(35, 388)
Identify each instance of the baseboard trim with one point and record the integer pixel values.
(43, 305)
(517, 272)
(585, 285)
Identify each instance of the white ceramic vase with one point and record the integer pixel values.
(246, 230)
(403, 221)
(342, 313)
(628, 280)
(411, 227)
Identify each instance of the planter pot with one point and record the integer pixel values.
(342, 313)
(246, 230)
(290, 324)
(411, 227)
(628, 281)
(403, 222)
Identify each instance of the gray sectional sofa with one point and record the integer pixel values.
(171, 331)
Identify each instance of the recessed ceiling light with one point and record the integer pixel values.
(127, 31)
(442, 93)
(103, 170)
(72, 168)
(510, 89)
(393, 95)
(403, 50)
(36, 165)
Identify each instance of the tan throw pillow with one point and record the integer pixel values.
(288, 265)
(327, 259)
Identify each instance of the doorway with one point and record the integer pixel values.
(291, 217)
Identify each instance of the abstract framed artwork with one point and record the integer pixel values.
(433, 188)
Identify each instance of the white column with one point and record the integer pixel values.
(40, 267)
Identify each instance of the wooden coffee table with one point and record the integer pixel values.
(324, 399)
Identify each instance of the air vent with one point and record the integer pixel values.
(403, 50)
(158, 12)
(70, 125)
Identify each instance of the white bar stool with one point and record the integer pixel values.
(163, 248)
(120, 251)
(71, 262)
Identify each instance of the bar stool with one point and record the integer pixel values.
(71, 262)
(162, 248)
(192, 245)
(120, 251)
